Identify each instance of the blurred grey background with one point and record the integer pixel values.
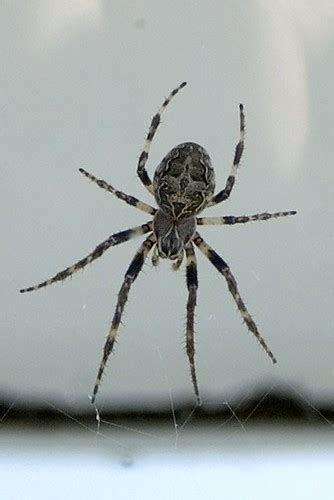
(80, 82)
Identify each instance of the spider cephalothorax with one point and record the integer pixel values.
(183, 186)
(172, 235)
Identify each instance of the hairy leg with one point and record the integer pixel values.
(231, 219)
(112, 241)
(225, 193)
(130, 200)
(130, 276)
(141, 170)
(224, 269)
(192, 285)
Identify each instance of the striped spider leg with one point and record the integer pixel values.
(225, 193)
(229, 220)
(192, 285)
(130, 200)
(130, 276)
(224, 269)
(113, 240)
(141, 170)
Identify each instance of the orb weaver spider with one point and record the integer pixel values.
(183, 185)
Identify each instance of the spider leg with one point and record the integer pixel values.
(231, 219)
(141, 170)
(130, 276)
(224, 269)
(225, 193)
(192, 285)
(112, 241)
(130, 200)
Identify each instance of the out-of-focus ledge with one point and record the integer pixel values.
(276, 407)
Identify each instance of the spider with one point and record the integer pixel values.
(183, 185)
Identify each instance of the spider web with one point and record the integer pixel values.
(187, 456)
(182, 431)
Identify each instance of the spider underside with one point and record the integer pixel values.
(183, 185)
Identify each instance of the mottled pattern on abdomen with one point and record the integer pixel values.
(184, 181)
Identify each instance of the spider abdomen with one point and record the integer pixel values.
(184, 181)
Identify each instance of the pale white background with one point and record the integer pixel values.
(80, 82)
